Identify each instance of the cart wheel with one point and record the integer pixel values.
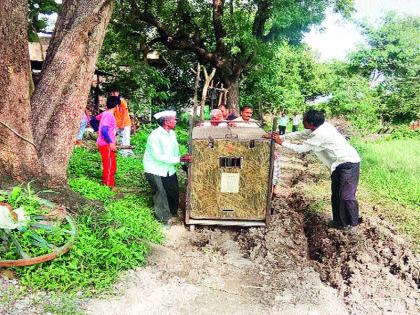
(192, 227)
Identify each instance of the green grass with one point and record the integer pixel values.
(110, 239)
(108, 242)
(392, 169)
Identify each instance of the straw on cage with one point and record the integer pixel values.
(207, 199)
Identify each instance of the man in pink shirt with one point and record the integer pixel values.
(106, 142)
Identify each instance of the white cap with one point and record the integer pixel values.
(165, 113)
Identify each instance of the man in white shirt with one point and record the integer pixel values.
(245, 120)
(339, 156)
(159, 160)
(296, 122)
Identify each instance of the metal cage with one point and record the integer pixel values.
(229, 181)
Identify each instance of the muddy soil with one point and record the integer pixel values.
(297, 265)
(206, 272)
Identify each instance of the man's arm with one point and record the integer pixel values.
(297, 135)
(299, 148)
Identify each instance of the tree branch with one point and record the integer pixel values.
(261, 17)
(178, 41)
(219, 30)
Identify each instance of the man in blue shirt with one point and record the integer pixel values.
(283, 120)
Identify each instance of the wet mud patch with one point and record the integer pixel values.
(372, 269)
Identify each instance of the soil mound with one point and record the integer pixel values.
(372, 269)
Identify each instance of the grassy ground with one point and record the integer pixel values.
(114, 230)
(389, 184)
(392, 168)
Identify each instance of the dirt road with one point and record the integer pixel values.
(295, 266)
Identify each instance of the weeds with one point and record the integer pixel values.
(107, 244)
(391, 169)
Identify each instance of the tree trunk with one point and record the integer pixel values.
(18, 158)
(61, 94)
(233, 95)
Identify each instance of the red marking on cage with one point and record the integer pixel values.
(229, 147)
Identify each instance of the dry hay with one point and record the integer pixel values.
(251, 201)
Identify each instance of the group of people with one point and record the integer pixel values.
(284, 120)
(223, 117)
(162, 154)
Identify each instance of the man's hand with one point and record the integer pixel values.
(276, 137)
(186, 158)
(113, 147)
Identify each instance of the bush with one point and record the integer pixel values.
(404, 132)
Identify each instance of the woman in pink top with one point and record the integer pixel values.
(106, 142)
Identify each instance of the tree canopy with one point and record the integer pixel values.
(220, 34)
(393, 50)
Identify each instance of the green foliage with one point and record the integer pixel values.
(146, 87)
(404, 132)
(394, 52)
(353, 97)
(36, 22)
(139, 139)
(187, 34)
(91, 189)
(85, 170)
(108, 242)
(284, 78)
(86, 163)
(35, 237)
(391, 169)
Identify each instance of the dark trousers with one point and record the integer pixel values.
(345, 207)
(165, 195)
(295, 128)
(282, 130)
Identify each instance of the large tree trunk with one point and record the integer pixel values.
(18, 159)
(61, 94)
(232, 101)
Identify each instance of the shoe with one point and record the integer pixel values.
(333, 224)
(352, 229)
